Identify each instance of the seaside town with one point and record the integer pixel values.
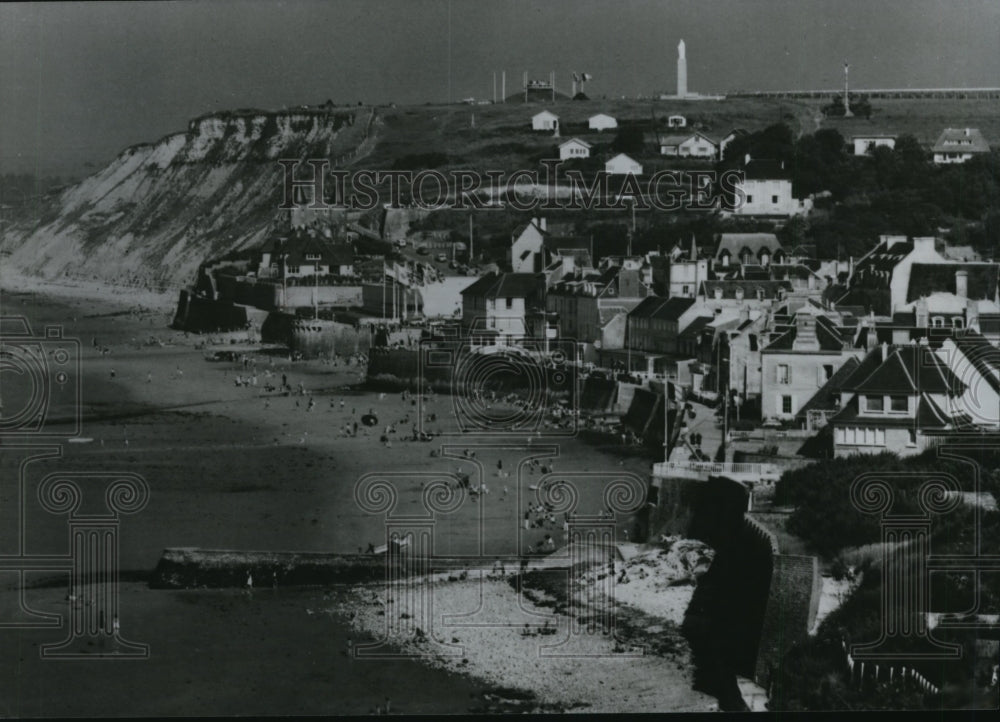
(547, 399)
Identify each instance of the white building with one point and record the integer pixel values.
(767, 191)
(574, 148)
(677, 121)
(866, 144)
(690, 145)
(957, 145)
(545, 120)
(621, 164)
(602, 121)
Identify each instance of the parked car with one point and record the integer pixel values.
(423, 250)
(442, 257)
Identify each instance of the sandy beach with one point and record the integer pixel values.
(235, 466)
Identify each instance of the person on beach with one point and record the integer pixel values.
(149, 378)
(249, 584)
(112, 374)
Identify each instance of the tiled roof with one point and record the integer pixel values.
(929, 416)
(928, 278)
(952, 140)
(696, 326)
(826, 333)
(507, 285)
(662, 308)
(766, 169)
(906, 370)
(755, 242)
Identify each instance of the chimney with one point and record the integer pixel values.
(923, 244)
(962, 283)
(744, 314)
(921, 313)
(805, 333)
(541, 223)
(718, 292)
(568, 264)
(966, 132)
(885, 352)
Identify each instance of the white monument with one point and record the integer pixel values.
(682, 71)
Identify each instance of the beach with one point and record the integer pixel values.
(234, 466)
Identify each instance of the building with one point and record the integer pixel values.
(545, 120)
(866, 144)
(574, 148)
(535, 247)
(748, 248)
(799, 362)
(621, 164)
(676, 121)
(505, 308)
(957, 145)
(304, 253)
(900, 399)
(586, 302)
(766, 190)
(602, 121)
(687, 272)
(655, 325)
(688, 145)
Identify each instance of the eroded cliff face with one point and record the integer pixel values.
(158, 210)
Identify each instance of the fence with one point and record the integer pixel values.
(766, 473)
(885, 673)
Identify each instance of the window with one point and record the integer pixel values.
(510, 302)
(749, 198)
(827, 372)
(912, 437)
(293, 269)
(957, 322)
(784, 375)
(786, 404)
(312, 256)
(774, 200)
(899, 403)
(685, 290)
(938, 322)
(874, 403)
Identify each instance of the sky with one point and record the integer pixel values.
(81, 81)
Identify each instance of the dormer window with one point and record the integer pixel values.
(938, 322)
(313, 256)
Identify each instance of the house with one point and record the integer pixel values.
(748, 248)
(766, 190)
(676, 121)
(722, 294)
(957, 145)
(304, 253)
(535, 247)
(602, 121)
(586, 301)
(621, 164)
(574, 148)
(505, 307)
(545, 120)
(866, 144)
(900, 399)
(654, 324)
(687, 272)
(691, 145)
(799, 362)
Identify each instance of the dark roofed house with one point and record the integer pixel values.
(510, 306)
(748, 248)
(654, 325)
(981, 280)
(302, 253)
(899, 399)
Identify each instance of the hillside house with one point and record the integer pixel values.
(688, 145)
(866, 144)
(303, 253)
(766, 190)
(957, 145)
(535, 248)
(676, 121)
(545, 120)
(602, 121)
(621, 164)
(573, 149)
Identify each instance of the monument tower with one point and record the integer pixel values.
(682, 71)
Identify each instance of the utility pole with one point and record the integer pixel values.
(470, 238)
(494, 87)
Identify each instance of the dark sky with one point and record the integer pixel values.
(80, 81)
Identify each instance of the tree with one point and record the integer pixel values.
(629, 139)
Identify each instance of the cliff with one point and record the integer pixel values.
(158, 210)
